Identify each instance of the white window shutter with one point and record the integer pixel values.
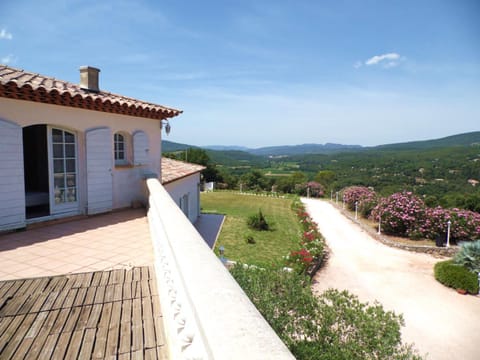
(12, 189)
(140, 148)
(99, 170)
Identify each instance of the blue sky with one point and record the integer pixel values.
(274, 72)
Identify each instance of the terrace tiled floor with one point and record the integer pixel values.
(103, 242)
(81, 289)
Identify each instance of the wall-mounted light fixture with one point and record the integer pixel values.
(168, 128)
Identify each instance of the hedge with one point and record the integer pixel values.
(334, 325)
(456, 276)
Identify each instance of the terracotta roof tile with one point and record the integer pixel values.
(174, 170)
(23, 85)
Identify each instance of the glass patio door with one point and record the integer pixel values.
(63, 171)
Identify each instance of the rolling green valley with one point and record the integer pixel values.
(443, 171)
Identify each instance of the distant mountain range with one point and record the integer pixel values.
(288, 149)
(466, 139)
(471, 138)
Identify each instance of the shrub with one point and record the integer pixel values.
(299, 260)
(364, 196)
(435, 222)
(366, 205)
(258, 222)
(401, 214)
(456, 276)
(312, 188)
(465, 224)
(469, 256)
(334, 325)
(250, 239)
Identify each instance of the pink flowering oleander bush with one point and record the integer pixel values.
(367, 199)
(465, 224)
(316, 189)
(435, 222)
(402, 214)
(311, 246)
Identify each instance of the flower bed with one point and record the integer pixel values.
(308, 258)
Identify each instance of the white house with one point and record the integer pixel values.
(182, 182)
(70, 149)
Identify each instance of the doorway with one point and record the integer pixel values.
(35, 163)
(50, 171)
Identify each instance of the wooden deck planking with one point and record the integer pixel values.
(17, 337)
(75, 344)
(43, 333)
(10, 332)
(106, 315)
(31, 335)
(87, 344)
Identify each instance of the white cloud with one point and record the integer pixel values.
(387, 60)
(390, 64)
(7, 59)
(4, 34)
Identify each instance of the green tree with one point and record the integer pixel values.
(325, 177)
(293, 183)
(285, 184)
(211, 174)
(255, 180)
(200, 157)
(229, 179)
(196, 156)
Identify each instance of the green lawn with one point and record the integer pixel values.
(271, 245)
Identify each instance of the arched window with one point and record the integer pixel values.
(120, 148)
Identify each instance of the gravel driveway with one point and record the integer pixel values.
(439, 321)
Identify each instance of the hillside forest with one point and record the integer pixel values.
(443, 172)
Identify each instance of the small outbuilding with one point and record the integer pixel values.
(182, 181)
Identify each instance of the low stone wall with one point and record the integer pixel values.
(432, 250)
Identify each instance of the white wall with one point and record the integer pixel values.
(187, 185)
(127, 182)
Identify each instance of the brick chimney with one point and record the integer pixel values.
(89, 78)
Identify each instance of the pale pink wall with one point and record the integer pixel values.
(126, 182)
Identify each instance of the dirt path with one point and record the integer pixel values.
(439, 321)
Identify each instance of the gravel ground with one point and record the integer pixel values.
(441, 323)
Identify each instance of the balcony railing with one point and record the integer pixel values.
(206, 313)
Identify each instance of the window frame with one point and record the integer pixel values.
(117, 151)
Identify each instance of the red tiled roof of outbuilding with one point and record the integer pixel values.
(23, 85)
(175, 170)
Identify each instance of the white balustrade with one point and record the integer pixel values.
(206, 313)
